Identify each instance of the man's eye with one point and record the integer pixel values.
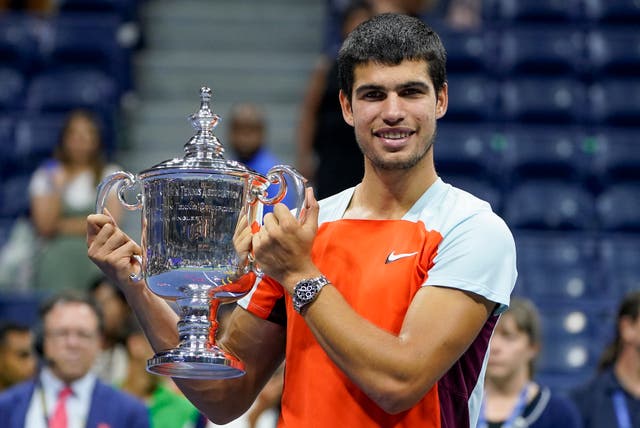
(373, 95)
(411, 92)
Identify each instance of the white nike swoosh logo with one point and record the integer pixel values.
(392, 257)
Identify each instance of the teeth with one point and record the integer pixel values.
(394, 135)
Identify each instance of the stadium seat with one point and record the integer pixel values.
(530, 10)
(538, 250)
(12, 89)
(617, 156)
(467, 51)
(609, 53)
(36, 137)
(619, 252)
(471, 98)
(550, 205)
(553, 152)
(612, 11)
(542, 99)
(88, 42)
(63, 90)
(615, 102)
(540, 49)
(618, 208)
(19, 46)
(14, 198)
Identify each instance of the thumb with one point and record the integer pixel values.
(311, 209)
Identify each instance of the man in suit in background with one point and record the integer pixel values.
(66, 394)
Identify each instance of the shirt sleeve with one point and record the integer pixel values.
(477, 255)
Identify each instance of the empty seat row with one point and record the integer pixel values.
(544, 49)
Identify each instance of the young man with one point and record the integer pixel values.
(17, 354)
(397, 283)
(65, 393)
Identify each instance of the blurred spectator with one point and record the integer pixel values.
(168, 408)
(512, 397)
(17, 354)
(29, 5)
(247, 137)
(111, 364)
(328, 154)
(612, 397)
(456, 14)
(63, 193)
(66, 390)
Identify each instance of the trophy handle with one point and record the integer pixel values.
(125, 181)
(276, 176)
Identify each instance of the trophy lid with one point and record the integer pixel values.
(203, 151)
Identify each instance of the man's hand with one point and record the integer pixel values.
(112, 250)
(283, 244)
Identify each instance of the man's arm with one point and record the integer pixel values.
(395, 371)
(258, 343)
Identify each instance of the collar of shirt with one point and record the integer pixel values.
(78, 403)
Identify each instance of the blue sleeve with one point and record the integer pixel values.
(477, 255)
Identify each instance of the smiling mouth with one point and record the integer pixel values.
(393, 135)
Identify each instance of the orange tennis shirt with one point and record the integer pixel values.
(450, 239)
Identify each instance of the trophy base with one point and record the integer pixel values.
(204, 364)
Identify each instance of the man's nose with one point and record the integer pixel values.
(393, 112)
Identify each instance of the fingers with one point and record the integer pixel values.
(312, 209)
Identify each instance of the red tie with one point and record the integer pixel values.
(59, 418)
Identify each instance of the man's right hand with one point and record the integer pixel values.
(111, 250)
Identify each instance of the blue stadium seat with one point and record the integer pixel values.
(14, 196)
(20, 307)
(615, 102)
(617, 156)
(542, 99)
(618, 208)
(36, 137)
(467, 51)
(12, 89)
(612, 11)
(540, 49)
(554, 152)
(538, 250)
(547, 283)
(550, 205)
(531, 10)
(63, 90)
(19, 46)
(471, 97)
(466, 150)
(7, 126)
(619, 252)
(609, 52)
(88, 42)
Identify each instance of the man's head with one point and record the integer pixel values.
(247, 130)
(389, 39)
(17, 354)
(72, 329)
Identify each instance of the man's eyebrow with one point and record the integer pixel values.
(400, 87)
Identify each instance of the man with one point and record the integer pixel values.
(65, 393)
(397, 283)
(247, 136)
(612, 397)
(17, 355)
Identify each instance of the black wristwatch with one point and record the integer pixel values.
(306, 291)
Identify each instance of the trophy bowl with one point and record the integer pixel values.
(190, 209)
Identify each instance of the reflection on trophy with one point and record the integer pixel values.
(191, 207)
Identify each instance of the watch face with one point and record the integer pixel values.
(306, 291)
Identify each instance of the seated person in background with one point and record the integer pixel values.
(512, 397)
(66, 393)
(17, 354)
(111, 364)
(612, 397)
(63, 193)
(168, 408)
(247, 137)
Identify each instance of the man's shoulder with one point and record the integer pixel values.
(23, 389)
(116, 396)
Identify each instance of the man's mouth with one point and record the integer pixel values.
(393, 134)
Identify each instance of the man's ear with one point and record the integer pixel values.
(442, 101)
(347, 112)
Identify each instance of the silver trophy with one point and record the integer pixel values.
(191, 207)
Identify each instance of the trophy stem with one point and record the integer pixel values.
(197, 356)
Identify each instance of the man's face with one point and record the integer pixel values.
(394, 110)
(71, 340)
(246, 136)
(17, 358)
